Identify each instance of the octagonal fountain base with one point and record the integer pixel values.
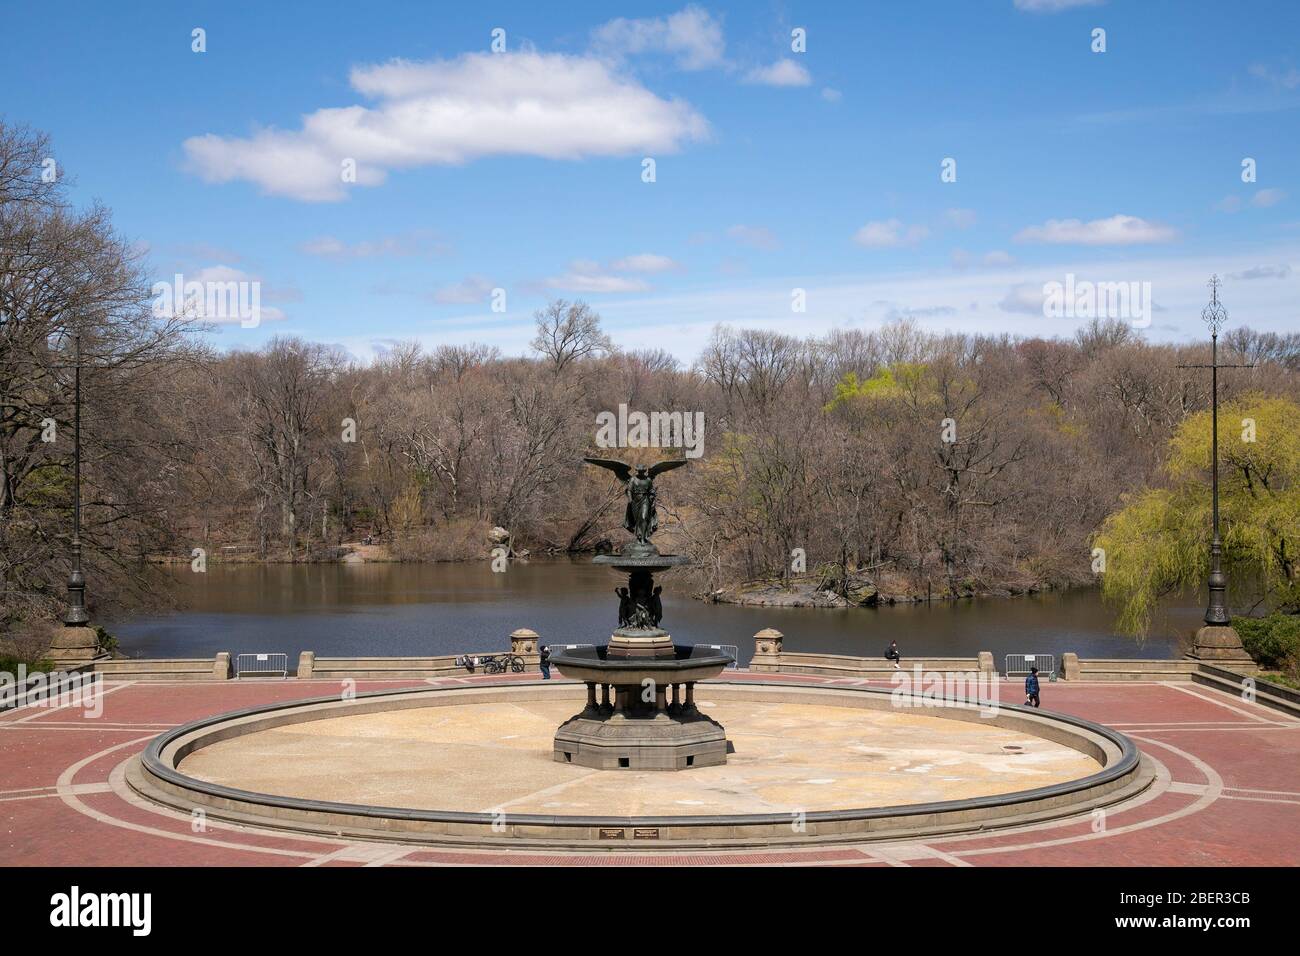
(641, 712)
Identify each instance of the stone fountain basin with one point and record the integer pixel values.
(598, 665)
(641, 562)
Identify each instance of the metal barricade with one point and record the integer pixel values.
(731, 649)
(261, 665)
(1018, 665)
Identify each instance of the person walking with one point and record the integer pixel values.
(1031, 688)
(892, 654)
(544, 662)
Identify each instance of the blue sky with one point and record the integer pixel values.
(775, 169)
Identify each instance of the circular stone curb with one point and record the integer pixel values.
(155, 777)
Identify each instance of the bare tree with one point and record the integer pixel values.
(65, 274)
(569, 332)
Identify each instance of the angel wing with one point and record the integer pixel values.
(622, 469)
(667, 465)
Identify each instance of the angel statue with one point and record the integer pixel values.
(641, 518)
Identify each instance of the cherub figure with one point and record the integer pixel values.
(624, 606)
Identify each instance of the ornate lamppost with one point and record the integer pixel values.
(76, 643)
(76, 616)
(1217, 640)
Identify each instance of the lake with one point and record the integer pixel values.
(396, 610)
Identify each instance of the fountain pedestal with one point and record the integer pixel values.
(641, 712)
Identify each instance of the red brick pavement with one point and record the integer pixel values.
(1232, 796)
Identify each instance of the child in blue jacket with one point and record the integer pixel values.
(1031, 688)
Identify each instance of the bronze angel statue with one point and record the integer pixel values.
(640, 518)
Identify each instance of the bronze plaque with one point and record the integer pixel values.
(645, 833)
(611, 833)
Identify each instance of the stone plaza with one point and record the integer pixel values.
(1215, 779)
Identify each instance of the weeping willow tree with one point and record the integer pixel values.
(1158, 544)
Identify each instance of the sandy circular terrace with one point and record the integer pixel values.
(490, 757)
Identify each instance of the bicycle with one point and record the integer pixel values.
(497, 664)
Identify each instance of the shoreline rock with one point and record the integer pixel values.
(808, 595)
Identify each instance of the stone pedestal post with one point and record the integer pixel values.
(986, 663)
(767, 651)
(74, 646)
(524, 642)
(1070, 666)
(1220, 645)
(306, 663)
(221, 665)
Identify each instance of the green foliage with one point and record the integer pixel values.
(1159, 542)
(107, 642)
(1060, 420)
(48, 486)
(1273, 641)
(10, 664)
(888, 382)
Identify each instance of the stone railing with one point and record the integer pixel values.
(523, 644)
(1250, 687)
(1126, 669)
(166, 668)
(770, 657)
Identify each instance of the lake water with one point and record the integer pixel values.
(383, 610)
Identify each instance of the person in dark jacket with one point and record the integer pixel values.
(892, 654)
(544, 662)
(1031, 688)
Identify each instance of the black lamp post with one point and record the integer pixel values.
(76, 616)
(1215, 316)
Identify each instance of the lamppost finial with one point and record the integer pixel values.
(1214, 314)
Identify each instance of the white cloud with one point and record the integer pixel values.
(1118, 230)
(410, 244)
(644, 262)
(994, 259)
(1228, 204)
(691, 35)
(831, 95)
(1054, 6)
(960, 218)
(468, 291)
(1262, 272)
(1025, 298)
(586, 282)
(223, 288)
(781, 73)
(1267, 197)
(887, 233)
(445, 112)
(1288, 79)
(756, 237)
(586, 275)
(907, 312)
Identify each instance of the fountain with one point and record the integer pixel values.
(641, 712)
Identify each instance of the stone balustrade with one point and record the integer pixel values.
(769, 657)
